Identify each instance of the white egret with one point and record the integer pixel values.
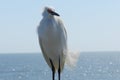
(53, 40)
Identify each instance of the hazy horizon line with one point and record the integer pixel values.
(41, 52)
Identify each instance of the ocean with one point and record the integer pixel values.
(90, 66)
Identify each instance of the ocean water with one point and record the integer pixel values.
(90, 66)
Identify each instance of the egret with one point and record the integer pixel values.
(53, 40)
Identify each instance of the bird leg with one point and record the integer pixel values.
(53, 69)
(59, 70)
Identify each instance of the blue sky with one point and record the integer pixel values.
(92, 25)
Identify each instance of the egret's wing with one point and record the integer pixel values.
(65, 32)
(60, 22)
(44, 53)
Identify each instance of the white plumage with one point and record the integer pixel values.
(53, 40)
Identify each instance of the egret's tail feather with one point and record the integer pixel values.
(72, 58)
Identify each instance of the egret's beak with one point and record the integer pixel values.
(53, 13)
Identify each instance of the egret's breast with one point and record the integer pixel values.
(53, 38)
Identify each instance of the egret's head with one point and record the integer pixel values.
(48, 11)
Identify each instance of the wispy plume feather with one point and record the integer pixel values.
(72, 58)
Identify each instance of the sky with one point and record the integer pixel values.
(92, 25)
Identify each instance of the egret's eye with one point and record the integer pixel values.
(49, 10)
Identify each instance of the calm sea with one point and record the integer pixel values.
(90, 66)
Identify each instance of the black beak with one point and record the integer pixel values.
(53, 13)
